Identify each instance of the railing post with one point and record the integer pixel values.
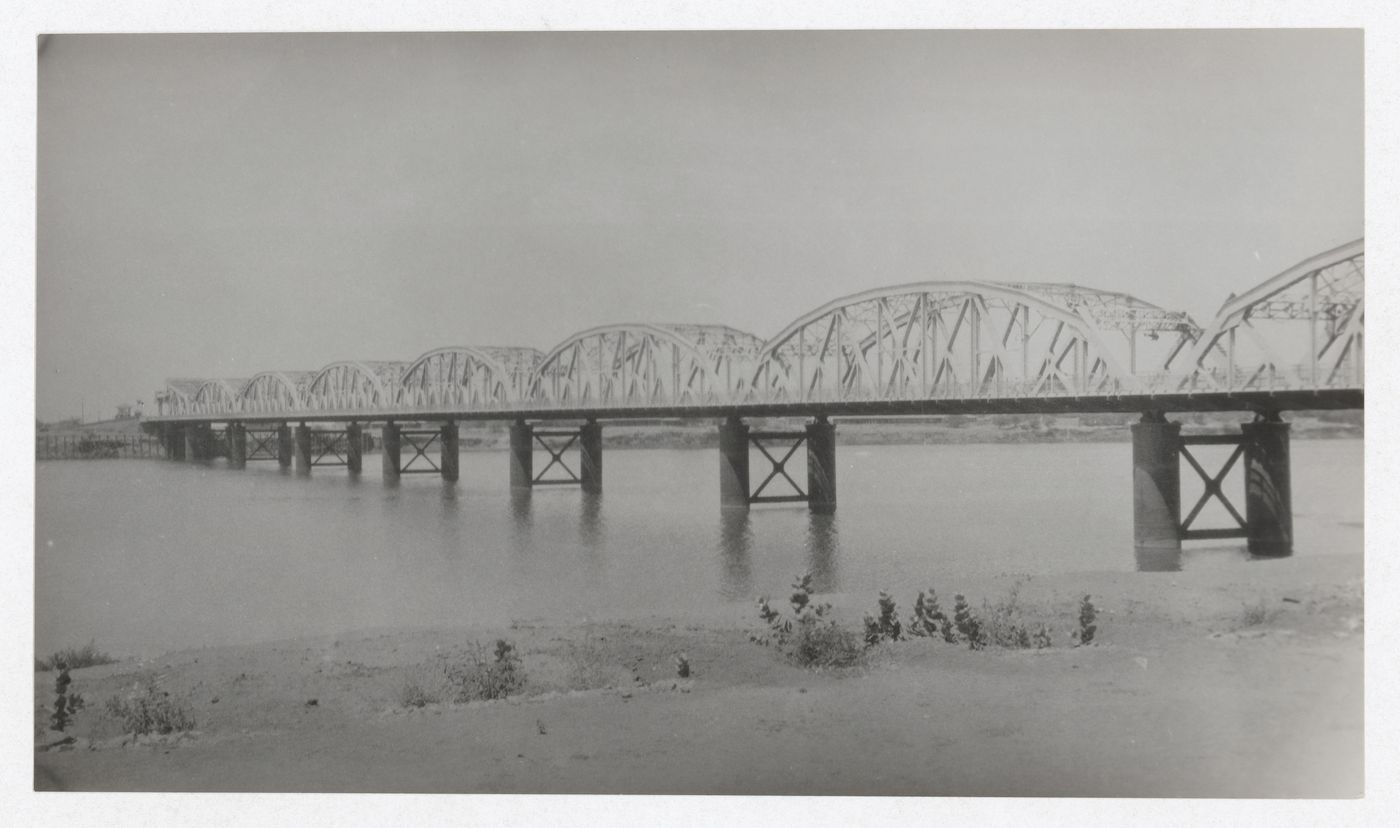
(821, 466)
(390, 442)
(591, 457)
(284, 445)
(1268, 496)
(1156, 482)
(303, 437)
(449, 460)
(522, 455)
(734, 464)
(237, 437)
(354, 447)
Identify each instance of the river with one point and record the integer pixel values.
(146, 555)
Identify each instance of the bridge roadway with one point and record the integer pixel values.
(1293, 342)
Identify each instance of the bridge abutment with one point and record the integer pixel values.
(1268, 495)
(522, 455)
(237, 437)
(821, 466)
(391, 444)
(1156, 483)
(591, 457)
(734, 464)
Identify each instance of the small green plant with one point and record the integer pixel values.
(929, 620)
(1042, 637)
(483, 678)
(74, 658)
(65, 705)
(969, 626)
(412, 694)
(1006, 628)
(1087, 616)
(150, 710)
(886, 626)
(1256, 614)
(682, 665)
(809, 638)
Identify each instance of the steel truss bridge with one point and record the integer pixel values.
(1294, 341)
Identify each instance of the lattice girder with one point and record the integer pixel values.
(275, 392)
(957, 339)
(1304, 328)
(467, 377)
(646, 364)
(353, 386)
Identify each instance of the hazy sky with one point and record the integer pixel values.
(213, 206)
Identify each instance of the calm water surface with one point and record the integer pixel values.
(146, 556)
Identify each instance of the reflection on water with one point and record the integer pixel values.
(152, 555)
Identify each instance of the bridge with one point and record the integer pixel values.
(1293, 342)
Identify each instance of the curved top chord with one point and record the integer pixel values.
(467, 377)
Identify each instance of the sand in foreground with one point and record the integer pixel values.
(1241, 682)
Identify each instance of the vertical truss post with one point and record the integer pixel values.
(734, 464)
(237, 437)
(303, 438)
(821, 466)
(391, 441)
(449, 462)
(354, 448)
(522, 455)
(1268, 497)
(1156, 482)
(591, 457)
(284, 445)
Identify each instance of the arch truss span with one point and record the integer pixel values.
(648, 364)
(276, 392)
(467, 377)
(178, 397)
(217, 397)
(353, 386)
(1301, 329)
(930, 340)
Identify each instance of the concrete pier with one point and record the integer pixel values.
(390, 443)
(303, 449)
(734, 464)
(174, 438)
(821, 466)
(199, 442)
(237, 437)
(1156, 482)
(522, 455)
(354, 447)
(450, 462)
(1268, 496)
(591, 457)
(284, 445)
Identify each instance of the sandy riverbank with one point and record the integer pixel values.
(1185, 693)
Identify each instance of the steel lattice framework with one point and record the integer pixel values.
(1300, 331)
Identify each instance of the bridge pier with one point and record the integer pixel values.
(1156, 482)
(821, 466)
(1268, 496)
(173, 437)
(303, 439)
(734, 464)
(199, 442)
(237, 437)
(391, 443)
(522, 455)
(449, 462)
(591, 457)
(354, 448)
(284, 445)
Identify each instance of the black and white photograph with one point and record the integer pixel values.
(802, 412)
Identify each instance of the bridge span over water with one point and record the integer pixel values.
(1292, 342)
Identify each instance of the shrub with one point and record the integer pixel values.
(809, 638)
(969, 626)
(412, 694)
(886, 626)
(481, 678)
(74, 658)
(1256, 614)
(151, 710)
(1087, 628)
(1005, 625)
(65, 705)
(928, 618)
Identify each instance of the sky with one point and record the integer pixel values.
(220, 205)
